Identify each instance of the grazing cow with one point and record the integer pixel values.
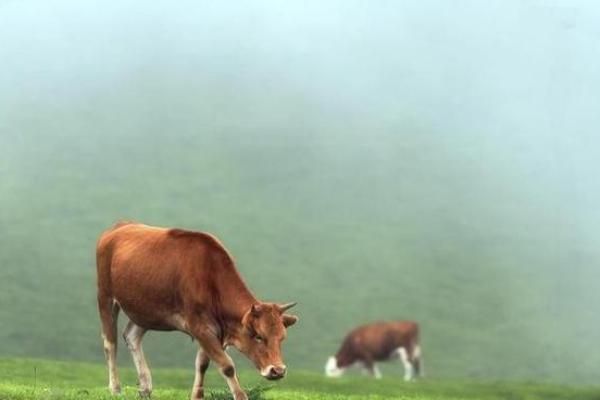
(177, 280)
(381, 341)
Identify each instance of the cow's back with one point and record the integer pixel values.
(380, 341)
(145, 269)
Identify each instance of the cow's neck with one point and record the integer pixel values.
(232, 320)
(346, 355)
(235, 300)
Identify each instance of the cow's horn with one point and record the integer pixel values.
(287, 306)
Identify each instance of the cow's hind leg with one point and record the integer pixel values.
(109, 312)
(408, 367)
(417, 361)
(202, 362)
(133, 335)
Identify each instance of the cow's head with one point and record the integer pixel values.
(332, 369)
(264, 328)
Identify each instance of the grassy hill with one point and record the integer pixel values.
(376, 165)
(25, 379)
(352, 234)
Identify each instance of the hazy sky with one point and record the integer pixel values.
(471, 128)
(517, 81)
(516, 72)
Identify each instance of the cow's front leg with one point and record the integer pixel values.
(214, 350)
(372, 369)
(202, 362)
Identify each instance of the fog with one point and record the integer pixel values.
(435, 160)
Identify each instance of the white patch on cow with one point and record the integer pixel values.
(408, 368)
(266, 371)
(331, 368)
(199, 376)
(107, 345)
(418, 356)
(376, 372)
(178, 322)
(417, 352)
(111, 357)
(133, 337)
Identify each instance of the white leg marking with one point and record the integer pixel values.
(376, 372)
(417, 351)
(408, 368)
(197, 378)
(198, 388)
(418, 356)
(111, 357)
(133, 337)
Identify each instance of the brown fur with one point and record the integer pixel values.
(371, 343)
(173, 279)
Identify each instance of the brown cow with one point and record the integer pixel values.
(177, 280)
(381, 341)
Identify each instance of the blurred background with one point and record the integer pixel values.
(426, 160)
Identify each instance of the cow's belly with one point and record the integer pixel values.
(148, 298)
(385, 354)
(147, 314)
(149, 322)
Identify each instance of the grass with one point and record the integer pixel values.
(30, 379)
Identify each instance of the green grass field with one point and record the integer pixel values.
(22, 379)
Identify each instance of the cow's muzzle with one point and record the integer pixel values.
(273, 373)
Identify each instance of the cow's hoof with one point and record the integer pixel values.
(197, 394)
(240, 396)
(115, 390)
(145, 393)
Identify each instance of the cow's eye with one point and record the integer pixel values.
(258, 338)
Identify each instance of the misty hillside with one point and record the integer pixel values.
(368, 162)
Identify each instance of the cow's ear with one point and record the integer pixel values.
(289, 320)
(255, 310)
(247, 322)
